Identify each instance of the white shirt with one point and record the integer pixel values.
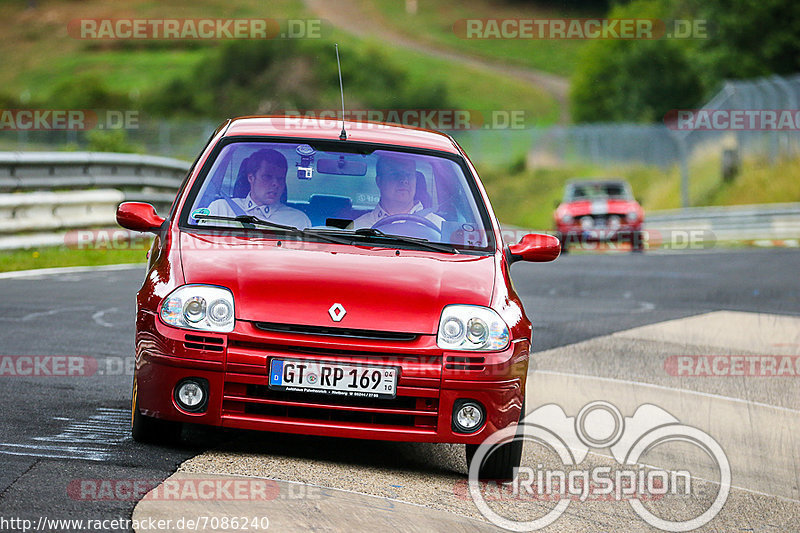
(368, 220)
(279, 213)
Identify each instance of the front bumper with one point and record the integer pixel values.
(235, 366)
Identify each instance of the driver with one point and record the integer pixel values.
(265, 172)
(397, 180)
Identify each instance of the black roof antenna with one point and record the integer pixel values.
(343, 134)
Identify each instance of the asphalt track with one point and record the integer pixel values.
(588, 310)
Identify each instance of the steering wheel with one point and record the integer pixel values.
(393, 219)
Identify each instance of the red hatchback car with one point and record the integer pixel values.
(349, 285)
(599, 210)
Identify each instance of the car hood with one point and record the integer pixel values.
(298, 282)
(599, 207)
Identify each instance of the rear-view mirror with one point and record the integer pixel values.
(342, 167)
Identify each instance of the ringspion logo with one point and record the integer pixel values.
(601, 425)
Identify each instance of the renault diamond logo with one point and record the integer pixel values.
(337, 312)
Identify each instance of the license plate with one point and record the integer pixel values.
(336, 379)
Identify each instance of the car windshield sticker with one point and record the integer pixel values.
(201, 211)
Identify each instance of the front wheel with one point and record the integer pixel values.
(147, 429)
(500, 463)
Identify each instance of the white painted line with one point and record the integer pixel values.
(712, 481)
(671, 389)
(38, 314)
(67, 270)
(98, 317)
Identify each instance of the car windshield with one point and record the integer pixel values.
(360, 192)
(597, 190)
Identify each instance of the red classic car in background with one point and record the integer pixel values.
(599, 210)
(350, 284)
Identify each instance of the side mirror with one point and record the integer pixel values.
(138, 216)
(535, 247)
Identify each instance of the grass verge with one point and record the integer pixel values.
(61, 256)
(433, 23)
(528, 197)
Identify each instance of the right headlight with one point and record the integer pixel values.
(203, 307)
(471, 327)
(632, 216)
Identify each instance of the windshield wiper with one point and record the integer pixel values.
(334, 236)
(250, 220)
(425, 243)
(246, 219)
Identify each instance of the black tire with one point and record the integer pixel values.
(500, 463)
(149, 430)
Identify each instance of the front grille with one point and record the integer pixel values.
(415, 407)
(336, 332)
(603, 220)
(269, 349)
(464, 362)
(412, 408)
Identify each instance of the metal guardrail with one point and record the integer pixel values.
(45, 194)
(142, 177)
(763, 222)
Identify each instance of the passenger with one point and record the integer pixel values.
(397, 180)
(264, 174)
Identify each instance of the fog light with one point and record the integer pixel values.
(468, 416)
(192, 394)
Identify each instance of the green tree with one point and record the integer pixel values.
(260, 77)
(749, 38)
(635, 80)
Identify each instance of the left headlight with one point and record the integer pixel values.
(471, 327)
(203, 307)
